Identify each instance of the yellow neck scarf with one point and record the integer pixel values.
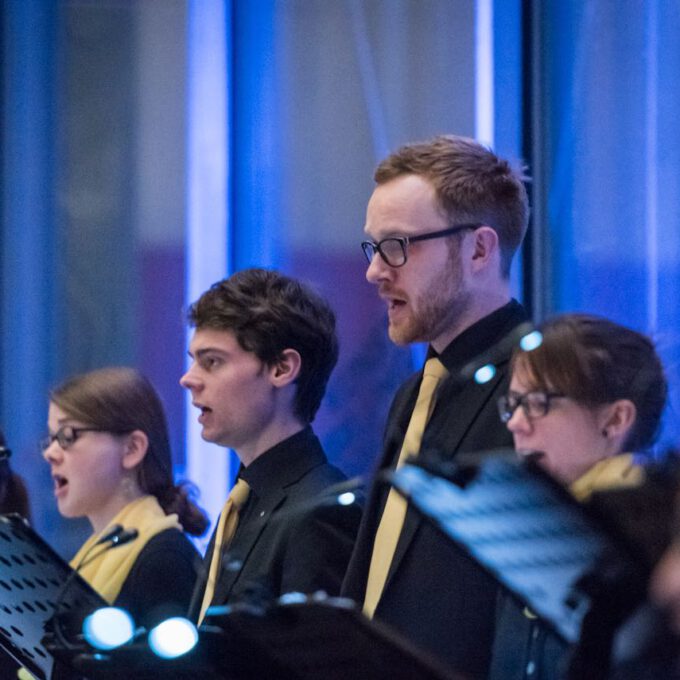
(107, 572)
(611, 473)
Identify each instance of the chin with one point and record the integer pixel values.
(213, 438)
(403, 336)
(69, 513)
(398, 340)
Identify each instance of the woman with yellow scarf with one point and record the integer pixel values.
(581, 403)
(109, 455)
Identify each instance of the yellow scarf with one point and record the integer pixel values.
(611, 473)
(107, 573)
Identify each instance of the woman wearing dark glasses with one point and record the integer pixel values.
(109, 456)
(590, 392)
(583, 402)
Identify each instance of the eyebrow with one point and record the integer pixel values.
(206, 350)
(65, 422)
(66, 419)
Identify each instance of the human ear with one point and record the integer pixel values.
(136, 446)
(485, 246)
(618, 418)
(286, 368)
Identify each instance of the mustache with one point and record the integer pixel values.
(386, 290)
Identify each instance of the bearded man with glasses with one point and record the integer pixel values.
(442, 226)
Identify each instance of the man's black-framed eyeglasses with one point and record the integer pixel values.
(393, 249)
(534, 404)
(66, 436)
(5, 453)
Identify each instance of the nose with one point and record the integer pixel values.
(53, 453)
(519, 422)
(189, 380)
(378, 269)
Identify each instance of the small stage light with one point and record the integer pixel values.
(484, 374)
(108, 628)
(346, 498)
(173, 637)
(531, 341)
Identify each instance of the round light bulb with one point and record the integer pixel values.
(108, 628)
(173, 637)
(484, 374)
(531, 341)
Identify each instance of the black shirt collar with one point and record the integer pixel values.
(284, 463)
(481, 335)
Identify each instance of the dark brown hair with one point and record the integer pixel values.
(471, 184)
(13, 494)
(121, 400)
(269, 313)
(595, 362)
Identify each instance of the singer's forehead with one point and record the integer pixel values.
(58, 416)
(209, 340)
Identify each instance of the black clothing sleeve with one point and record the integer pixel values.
(159, 585)
(327, 535)
(162, 579)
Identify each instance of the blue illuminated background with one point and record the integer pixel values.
(151, 148)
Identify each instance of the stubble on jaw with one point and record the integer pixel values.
(436, 311)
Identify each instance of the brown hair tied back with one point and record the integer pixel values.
(595, 362)
(120, 399)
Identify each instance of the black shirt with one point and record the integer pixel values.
(265, 474)
(481, 337)
(291, 535)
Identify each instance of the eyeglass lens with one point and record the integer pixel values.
(392, 251)
(535, 405)
(64, 436)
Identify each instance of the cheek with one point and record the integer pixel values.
(554, 441)
(414, 280)
(102, 469)
(572, 451)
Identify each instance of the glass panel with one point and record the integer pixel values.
(612, 147)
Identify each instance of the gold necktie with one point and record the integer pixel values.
(226, 528)
(393, 516)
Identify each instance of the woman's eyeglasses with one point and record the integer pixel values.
(534, 404)
(66, 436)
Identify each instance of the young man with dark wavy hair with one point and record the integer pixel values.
(262, 351)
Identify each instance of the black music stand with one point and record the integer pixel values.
(32, 576)
(579, 574)
(306, 638)
(296, 638)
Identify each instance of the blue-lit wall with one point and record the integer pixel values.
(611, 148)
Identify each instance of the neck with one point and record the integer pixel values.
(102, 516)
(484, 304)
